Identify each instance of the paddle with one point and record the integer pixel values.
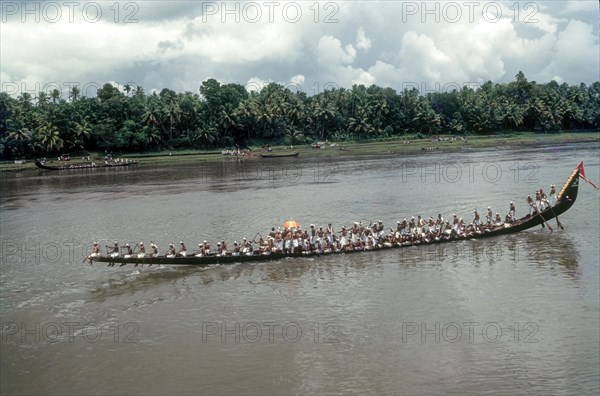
(557, 221)
(542, 217)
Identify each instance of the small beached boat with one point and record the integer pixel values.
(279, 155)
(85, 165)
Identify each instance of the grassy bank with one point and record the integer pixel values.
(397, 146)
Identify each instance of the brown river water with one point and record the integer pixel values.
(506, 315)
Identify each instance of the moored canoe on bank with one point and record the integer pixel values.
(41, 165)
(279, 155)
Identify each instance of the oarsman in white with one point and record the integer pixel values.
(114, 252)
(140, 250)
(344, 237)
(129, 252)
(95, 250)
(476, 220)
(247, 248)
(295, 243)
(512, 211)
(330, 233)
(531, 205)
(171, 252)
(154, 249)
(200, 252)
(538, 201)
(498, 220)
(205, 248)
(543, 199)
(182, 249)
(236, 249)
(223, 248)
(489, 216)
(552, 197)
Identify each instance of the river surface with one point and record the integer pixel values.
(505, 315)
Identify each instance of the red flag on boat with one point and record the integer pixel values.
(582, 174)
(581, 170)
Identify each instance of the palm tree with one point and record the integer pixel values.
(55, 95)
(42, 100)
(74, 94)
(50, 138)
(20, 135)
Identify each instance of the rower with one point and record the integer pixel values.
(182, 249)
(200, 251)
(553, 199)
(538, 201)
(543, 200)
(489, 216)
(344, 238)
(205, 248)
(476, 220)
(247, 248)
(141, 251)
(223, 247)
(154, 249)
(171, 253)
(114, 252)
(236, 249)
(498, 220)
(511, 212)
(129, 251)
(95, 250)
(330, 233)
(531, 205)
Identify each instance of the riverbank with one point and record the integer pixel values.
(388, 146)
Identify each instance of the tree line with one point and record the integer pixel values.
(228, 115)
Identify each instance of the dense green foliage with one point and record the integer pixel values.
(222, 115)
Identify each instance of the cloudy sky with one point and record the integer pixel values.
(308, 45)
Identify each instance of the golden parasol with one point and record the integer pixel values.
(291, 224)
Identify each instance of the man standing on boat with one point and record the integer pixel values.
(511, 212)
(552, 196)
(531, 205)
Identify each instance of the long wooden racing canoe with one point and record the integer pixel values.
(41, 165)
(565, 199)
